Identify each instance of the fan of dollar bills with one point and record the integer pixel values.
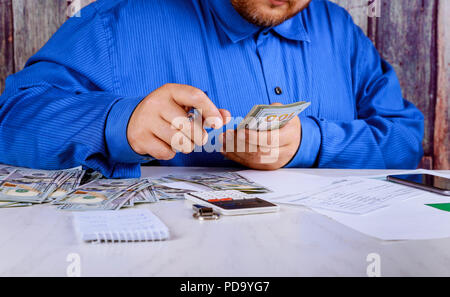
(80, 190)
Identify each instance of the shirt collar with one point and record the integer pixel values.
(237, 28)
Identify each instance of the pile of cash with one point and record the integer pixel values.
(80, 190)
(24, 187)
(272, 117)
(224, 181)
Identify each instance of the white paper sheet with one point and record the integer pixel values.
(349, 195)
(354, 195)
(408, 220)
(285, 182)
(403, 217)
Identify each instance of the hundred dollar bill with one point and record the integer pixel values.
(270, 117)
(142, 194)
(145, 194)
(13, 204)
(31, 186)
(69, 185)
(6, 170)
(101, 194)
(162, 192)
(224, 181)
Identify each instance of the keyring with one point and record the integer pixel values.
(212, 217)
(204, 213)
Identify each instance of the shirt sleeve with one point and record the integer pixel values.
(388, 130)
(62, 111)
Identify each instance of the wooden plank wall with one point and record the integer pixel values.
(6, 41)
(412, 35)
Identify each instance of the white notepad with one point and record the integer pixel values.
(124, 225)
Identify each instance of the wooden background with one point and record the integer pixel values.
(409, 34)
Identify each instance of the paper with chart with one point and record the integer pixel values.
(418, 216)
(353, 195)
(348, 195)
(410, 219)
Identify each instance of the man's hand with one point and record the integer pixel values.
(159, 126)
(263, 150)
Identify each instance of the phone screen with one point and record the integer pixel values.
(438, 182)
(241, 204)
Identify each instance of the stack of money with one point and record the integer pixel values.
(223, 182)
(100, 194)
(271, 117)
(158, 189)
(24, 187)
(79, 190)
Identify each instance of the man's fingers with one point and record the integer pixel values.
(188, 96)
(256, 162)
(274, 138)
(233, 144)
(226, 116)
(177, 117)
(268, 139)
(236, 158)
(158, 149)
(173, 137)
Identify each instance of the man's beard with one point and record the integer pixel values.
(252, 12)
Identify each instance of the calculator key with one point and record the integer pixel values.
(213, 200)
(239, 197)
(226, 199)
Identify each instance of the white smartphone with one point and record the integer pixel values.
(232, 202)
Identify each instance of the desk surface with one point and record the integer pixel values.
(36, 241)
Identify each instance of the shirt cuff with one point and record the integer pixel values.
(116, 132)
(309, 148)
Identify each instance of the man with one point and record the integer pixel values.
(112, 88)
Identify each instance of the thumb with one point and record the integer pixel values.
(276, 104)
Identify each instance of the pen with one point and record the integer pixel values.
(193, 113)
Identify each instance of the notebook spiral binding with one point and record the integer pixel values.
(127, 236)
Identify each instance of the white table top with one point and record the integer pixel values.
(35, 241)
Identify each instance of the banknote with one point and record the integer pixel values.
(100, 194)
(271, 117)
(5, 170)
(145, 194)
(130, 202)
(31, 186)
(142, 194)
(163, 192)
(71, 183)
(80, 190)
(13, 204)
(224, 181)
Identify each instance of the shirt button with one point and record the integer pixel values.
(278, 91)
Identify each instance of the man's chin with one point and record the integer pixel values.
(270, 14)
(270, 17)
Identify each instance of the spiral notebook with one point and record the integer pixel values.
(120, 226)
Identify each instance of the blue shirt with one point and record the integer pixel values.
(71, 104)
